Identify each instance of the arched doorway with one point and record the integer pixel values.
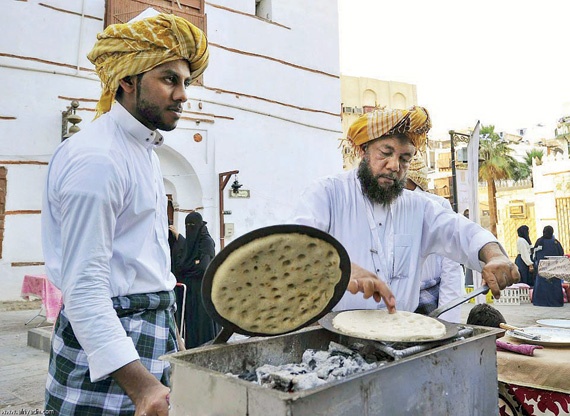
(181, 183)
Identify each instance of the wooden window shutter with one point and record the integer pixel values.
(121, 11)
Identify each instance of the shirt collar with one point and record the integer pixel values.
(142, 134)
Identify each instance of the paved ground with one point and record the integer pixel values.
(23, 369)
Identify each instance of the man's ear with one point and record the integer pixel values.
(127, 84)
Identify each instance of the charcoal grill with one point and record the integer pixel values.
(451, 377)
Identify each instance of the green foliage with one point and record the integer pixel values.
(496, 162)
(534, 154)
(520, 171)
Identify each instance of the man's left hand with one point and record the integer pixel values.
(499, 271)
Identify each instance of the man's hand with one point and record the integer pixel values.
(361, 280)
(499, 271)
(150, 396)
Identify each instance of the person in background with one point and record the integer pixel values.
(191, 256)
(442, 278)
(523, 259)
(485, 315)
(388, 230)
(547, 292)
(104, 226)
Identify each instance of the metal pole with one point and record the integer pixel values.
(459, 137)
(453, 173)
(223, 179)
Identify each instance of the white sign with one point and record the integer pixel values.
(242, 193)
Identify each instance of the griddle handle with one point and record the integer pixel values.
(223, 336)
(458, 301)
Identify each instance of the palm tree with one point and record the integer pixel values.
(496, 164)
(534, 155)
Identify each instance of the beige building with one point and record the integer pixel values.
(362, 95)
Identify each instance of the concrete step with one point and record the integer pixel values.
(40, 338)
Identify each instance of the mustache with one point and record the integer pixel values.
(392, 177)
(177, 108)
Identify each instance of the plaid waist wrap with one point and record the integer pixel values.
(429, 296)
(147, 319)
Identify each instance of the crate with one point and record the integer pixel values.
(509, 296)
(488, 297)
(525, 294)
(514, 295)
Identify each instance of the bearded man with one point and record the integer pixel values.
(104, 226)
(387, 230)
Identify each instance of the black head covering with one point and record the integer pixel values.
(548, 232)
(522, 231)
(194, 226)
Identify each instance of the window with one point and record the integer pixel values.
(121, 11)
(263, 9)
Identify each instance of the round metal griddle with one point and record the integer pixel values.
(231, 327)
(451, 330)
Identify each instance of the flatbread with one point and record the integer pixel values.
(382, 326)
(276, 283)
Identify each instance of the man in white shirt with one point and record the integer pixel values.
(104, 226)
(442, 278)
(387, 230)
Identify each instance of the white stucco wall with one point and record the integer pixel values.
(545, 185)
(270, 109)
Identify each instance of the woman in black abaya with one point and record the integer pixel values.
(547, 292)
(190, 258)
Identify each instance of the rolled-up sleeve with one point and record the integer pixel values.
(89, 195)
(453, 236)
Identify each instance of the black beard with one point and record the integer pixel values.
(373, 190)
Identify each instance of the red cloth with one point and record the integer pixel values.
(525, 349)
(39, 286)
(519, 400)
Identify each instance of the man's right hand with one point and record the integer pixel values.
(362, 280)
(150, 396)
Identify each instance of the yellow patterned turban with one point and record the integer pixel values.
(417, 172)
(413, 123)
(129, 49)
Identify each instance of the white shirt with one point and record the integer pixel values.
(419, 227)
(450, 272)
(105, 230)
(523, 248)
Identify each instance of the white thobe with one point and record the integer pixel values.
(450, 272)
(417, 227)
(105, 231)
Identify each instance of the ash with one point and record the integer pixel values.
(317, 368)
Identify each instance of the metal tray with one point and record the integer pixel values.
(555, 337)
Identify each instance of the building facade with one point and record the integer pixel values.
(267, 107)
